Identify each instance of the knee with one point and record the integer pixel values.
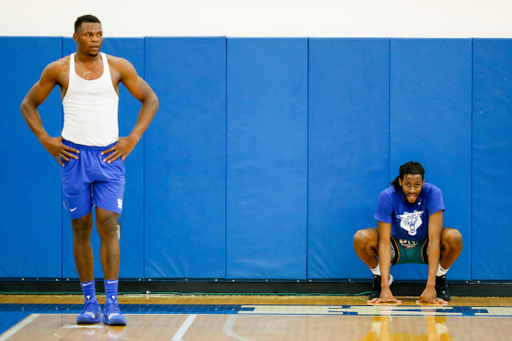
(453, 238)
(108, 231)
(82, 228)
(107, 228)
(361, 239)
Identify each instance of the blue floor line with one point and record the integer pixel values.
(13, 313)
(401, 310)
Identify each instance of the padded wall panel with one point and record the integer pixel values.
(131, 219)
(348, 149)
(30, 205)
(185, 158)
(492, 158)
(430, 110)
(267, 158)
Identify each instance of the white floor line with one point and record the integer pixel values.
(227, 328)
(18, 326)
(183, 329)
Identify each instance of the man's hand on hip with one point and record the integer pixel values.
(122, 149)
(57, 149)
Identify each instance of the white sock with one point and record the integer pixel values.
(376, 271)
(441, 271)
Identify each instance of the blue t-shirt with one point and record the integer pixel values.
(409, 222)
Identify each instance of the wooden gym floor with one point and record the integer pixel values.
(258, 318)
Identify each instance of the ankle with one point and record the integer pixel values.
(111, 287)
(440, 271)
(89, 290)
(376, 271)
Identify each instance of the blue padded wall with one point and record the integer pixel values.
(185, 158)
(229, 183)
(132, 225)
(348, 149)
(30, 204)
(492, 158)
(430, 122)
(267, 158)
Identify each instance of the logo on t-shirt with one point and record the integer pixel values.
(411, 222)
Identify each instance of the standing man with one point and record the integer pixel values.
(91, 152)
(410, 230)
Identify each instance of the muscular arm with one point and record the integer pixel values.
(384, 253)
(141, 91)
(435, 229)
(35, 97)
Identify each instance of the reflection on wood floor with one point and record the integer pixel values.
(297, 318)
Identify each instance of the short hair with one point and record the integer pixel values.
(411, 167)
(85, 18)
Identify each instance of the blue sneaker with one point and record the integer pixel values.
(112, 315)
(91, 313)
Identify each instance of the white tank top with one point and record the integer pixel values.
(90, 108)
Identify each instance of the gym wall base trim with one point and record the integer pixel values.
(473, 289)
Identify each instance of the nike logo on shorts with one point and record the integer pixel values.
(73, 209)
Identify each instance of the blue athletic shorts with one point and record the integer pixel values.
(91, 181)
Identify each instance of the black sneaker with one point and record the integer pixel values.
(442, 288)
(377, 280)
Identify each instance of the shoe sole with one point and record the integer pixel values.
(445, 297)
(114, 322)
(86, 321)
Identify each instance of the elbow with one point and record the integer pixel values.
(156, 103)
(385, 242)
(24, 107)
(151, 103)
(384, 245)
(434, 241)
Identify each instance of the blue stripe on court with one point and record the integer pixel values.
(126, 308)
(23, 310)
(11, 314)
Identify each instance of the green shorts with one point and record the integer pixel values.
(402, 255)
